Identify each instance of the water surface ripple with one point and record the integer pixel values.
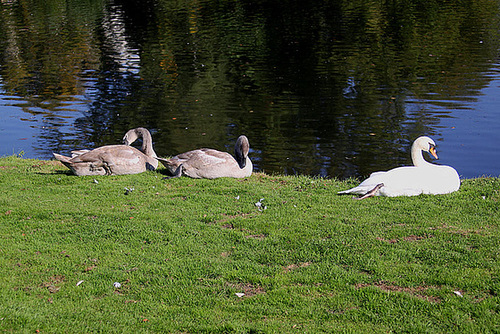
(331, 88)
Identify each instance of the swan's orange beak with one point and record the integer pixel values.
(432, 150)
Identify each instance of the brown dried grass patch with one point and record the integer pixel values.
(294, 266)
(248, 289)
(414, 291)
(256, 236)
(463, 232)
(407, 238)
(227, 218)
(53, 284)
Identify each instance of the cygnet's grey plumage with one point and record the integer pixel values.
(206, 163)
(114, 159)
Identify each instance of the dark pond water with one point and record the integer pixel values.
(331, 88)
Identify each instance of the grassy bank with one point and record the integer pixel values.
(182, 250)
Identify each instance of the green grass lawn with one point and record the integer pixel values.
(182, 249)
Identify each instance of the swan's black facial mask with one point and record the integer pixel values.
(432, 150)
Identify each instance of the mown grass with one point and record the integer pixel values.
(311, 261)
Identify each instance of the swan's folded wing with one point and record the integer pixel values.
(78, 152)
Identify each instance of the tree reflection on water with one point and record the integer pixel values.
(337, 88)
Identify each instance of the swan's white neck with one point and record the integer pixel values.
(418, 158)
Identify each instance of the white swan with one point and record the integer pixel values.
(422, 178)
(114, 159)
(206, 163)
